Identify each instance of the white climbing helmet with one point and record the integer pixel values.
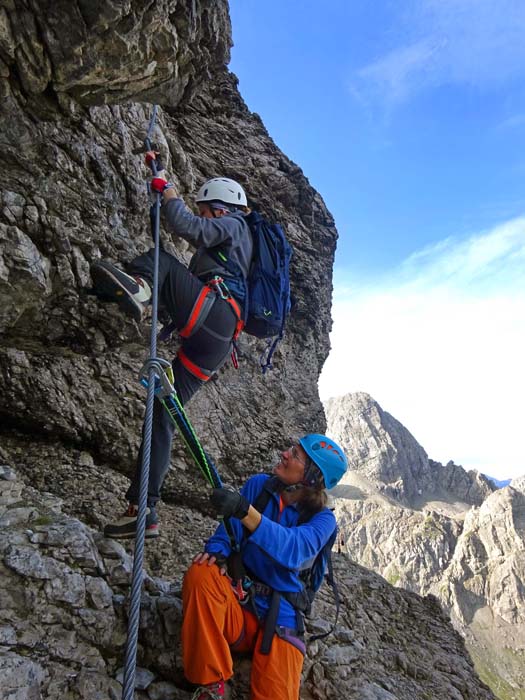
(224, 190)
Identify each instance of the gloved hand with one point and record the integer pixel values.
(153, 156)
(159, 183)
(229, 503)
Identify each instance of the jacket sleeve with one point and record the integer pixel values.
(196, 229)
(219, 542)
(294, 547)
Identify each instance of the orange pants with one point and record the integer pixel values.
(214, 621)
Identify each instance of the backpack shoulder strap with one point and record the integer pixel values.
(272, 485)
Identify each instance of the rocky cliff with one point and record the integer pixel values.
(436, 529)
(63, 621)
(73, 191)
(77, 80)
(384, 451)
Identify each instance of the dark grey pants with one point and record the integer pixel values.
(209, 348)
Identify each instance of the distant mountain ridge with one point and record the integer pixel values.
(434, 528)
(383, 450)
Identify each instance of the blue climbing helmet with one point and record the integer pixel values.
(327, 456)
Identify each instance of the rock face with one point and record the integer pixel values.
(383, 450)
(76, 80)
(436, 529)
(389, 643)
(484, 588)
(72, 191)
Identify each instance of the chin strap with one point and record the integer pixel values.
(292, 488)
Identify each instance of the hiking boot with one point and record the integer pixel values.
(126, 525)
(212, 691)
(130, 293)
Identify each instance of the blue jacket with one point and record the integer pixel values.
(278, 549)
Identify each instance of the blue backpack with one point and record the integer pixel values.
(265, 294)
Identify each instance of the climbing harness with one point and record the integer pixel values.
(203, 305)
(213, 289)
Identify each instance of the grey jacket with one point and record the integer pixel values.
(231, 233)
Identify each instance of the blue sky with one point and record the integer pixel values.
(409, 118)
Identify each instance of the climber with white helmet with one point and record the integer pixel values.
(284, 532)
(206, 315)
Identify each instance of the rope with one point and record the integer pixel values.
(137, 576)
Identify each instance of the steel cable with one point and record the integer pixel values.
(177, 413)
(138, 560)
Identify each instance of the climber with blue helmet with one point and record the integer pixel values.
(282, 525)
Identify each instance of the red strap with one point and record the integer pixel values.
(237, 311)
(199, 372)
(195, 312)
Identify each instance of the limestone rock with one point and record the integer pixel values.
(388, 642)
(435, 529)
(384, 451)
(75, 81)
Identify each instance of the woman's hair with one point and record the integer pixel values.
(312, 501)
(313, 497)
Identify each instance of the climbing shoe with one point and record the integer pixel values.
(130, 293)
(126, 525)
(213, 691)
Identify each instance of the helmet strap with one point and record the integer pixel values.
(313, 476)
(293, 487)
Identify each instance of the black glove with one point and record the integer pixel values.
(229, 503)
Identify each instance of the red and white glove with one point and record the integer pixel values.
(153, 156)
(159, 184)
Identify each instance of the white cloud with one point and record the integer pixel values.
(440, 344)
(516, 121)
(398, 73)
(443, 42)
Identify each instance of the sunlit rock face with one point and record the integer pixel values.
(383, 450)
(435, 529)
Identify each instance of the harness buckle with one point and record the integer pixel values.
(243, 589)
(219, 286)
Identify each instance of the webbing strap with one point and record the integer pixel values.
(199, 313)
(270, 623)
(237, 311)
(218, 284)
(175, 410)
(200, 372)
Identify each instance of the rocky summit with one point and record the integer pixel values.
(438, 529)
(77, 83)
